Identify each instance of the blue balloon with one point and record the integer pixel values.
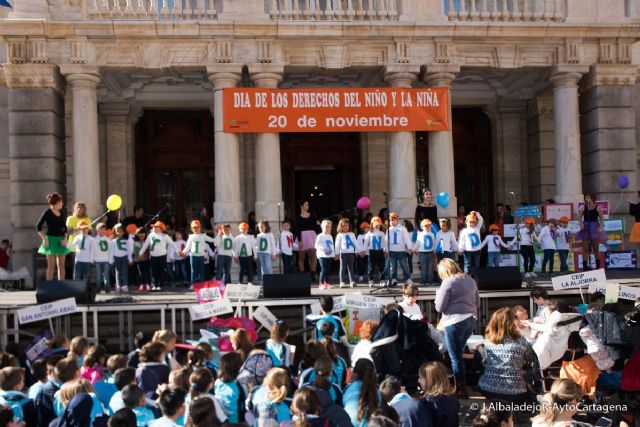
(623, 182)
(443, 199)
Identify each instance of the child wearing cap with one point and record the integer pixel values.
(157, 242)
(180, 259)
(563, 242)
(285, 246)
(141, 259)
(224, 246)
(325, 252)
(527, 237)
(83, 243)
(446, 243)
(363, 261)
(195, 248)
(347, 248)
(425, 247)
(102, 257)
(470, 242)
(376, 247)
(122, 257)
(244, 252)
(547, 241)
(493, 241)
(399, 245)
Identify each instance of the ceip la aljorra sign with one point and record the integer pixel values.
(335, 110)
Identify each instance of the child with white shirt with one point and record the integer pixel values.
(286, 247)
(362, 262)
(224, 246)
(325, 252)
(563, 243)
(547, 240)
(122, 257)
(102, 257)
(425, 247)
(180, 259)
(157, 242)
(196, 248)
(493, 242)
(376, 247)
(266, 249)
(399, 245)
(83, 243)
(446, 243)
(142, 260)
(470, 242)
(347, 248)
(244, 252)
(527, 237)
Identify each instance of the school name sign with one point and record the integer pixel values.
(335, 110)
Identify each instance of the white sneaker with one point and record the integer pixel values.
(125, 289)
(371, 283)
(360, 279)
(342, 284)
(249, 283)
(533, 274)
(118, 289)
(409, 281)
(191, 287)
(526, 275)
(352, 284)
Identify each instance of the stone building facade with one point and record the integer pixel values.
(552, 84)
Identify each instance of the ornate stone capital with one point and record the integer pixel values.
(610, 75)
(567, 75)
(401, 75)
(81, 76)
(38, 76)
(441, 75)
(266, 75)
(224, 75)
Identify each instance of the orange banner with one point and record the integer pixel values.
(335, 110)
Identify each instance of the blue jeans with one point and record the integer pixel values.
(223, 267)
(455, 338)
(548, 257)
(426, 267)
(197, 268)
(265, 264)
(471, 262)
(121, 264)
(493, 259)
(394, 259)
(181, 270)
(81, 270)
(102, 274)
(325, 269)
(563, 254)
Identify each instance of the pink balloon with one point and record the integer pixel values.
(363, 203)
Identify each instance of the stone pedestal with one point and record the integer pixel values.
(36, 150)
(269, 205)
(402, 151)
(228, 201)
(441, 164)
(82, 81)
(608, 126)
(567, 132)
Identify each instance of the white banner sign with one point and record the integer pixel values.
(357, 300)
(47, 311)
(575, 280)
(265, 317)
(244, 292)
(624, 292)
(210, 309)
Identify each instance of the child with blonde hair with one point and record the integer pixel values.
(325, 252)
(347, 247)
(425, 245)
(470, 242)
(244, 252)
(269, 403)
(277, 346)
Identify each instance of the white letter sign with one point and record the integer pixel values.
(575, 280)
(47, 311)
(210, 309)
(265, 317)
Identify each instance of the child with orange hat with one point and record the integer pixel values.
(286, 246)
(425, 245)
(157, 242)
(470, 242)
(224, 247)
(196, 247)
(399, 245)
(376, 246)
(102, 257)
(83, 243)
(527, 237)
(362, 262)
(446, 243)
(347, 248)
(244, 252)
(547, 241)
(563, 242)
(493, 242)
(122, 257)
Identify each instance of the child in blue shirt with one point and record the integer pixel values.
(269, 403)
(277, 347)
(227, 390)
(326, 307)
(134, 399)
(122, 378)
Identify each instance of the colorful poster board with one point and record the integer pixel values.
(558, 210)
(621, 260)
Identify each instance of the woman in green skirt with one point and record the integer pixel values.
(54, 240)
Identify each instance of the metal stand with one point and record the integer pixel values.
(156, 216)
(387, 265)
(280, 238)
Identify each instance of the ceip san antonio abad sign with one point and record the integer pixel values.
(335, 110)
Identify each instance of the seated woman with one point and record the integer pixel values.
(512, 365)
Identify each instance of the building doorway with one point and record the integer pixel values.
(472, 159)
(323, 168)
(174, 162)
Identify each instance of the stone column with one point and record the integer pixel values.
(608, 126)
(441, 165)
(228, 200)
(402, 151)
(267, 155)
(36, 150)
(83, 80)
(567, 132)
(540, 149)
(508, 173)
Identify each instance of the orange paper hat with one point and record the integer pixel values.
(393, 215)
(425, 223)
(529, 220)
(564, 219)
(159, 224)
(376, 220)
(83, 224)
(364, 225)
(243, 226)
(493, 228)
(131, 228)
(195, 224)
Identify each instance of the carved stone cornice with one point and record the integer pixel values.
(566, 75)
(266, 75)
(36, 76)
(224, 75)
(610, 75)
(441, 75)
(401, 75)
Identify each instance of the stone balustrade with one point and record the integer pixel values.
(151, 9)
(333, 10)
(505, 10)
